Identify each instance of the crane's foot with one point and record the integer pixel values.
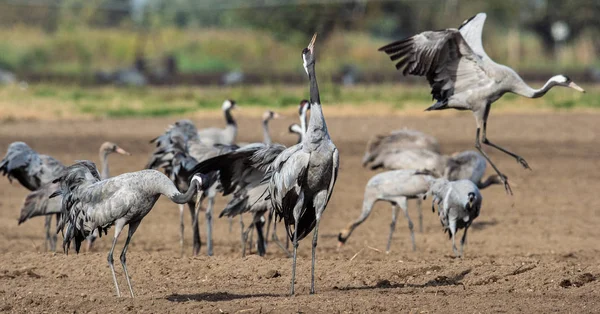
(506, 185)
(523, 162)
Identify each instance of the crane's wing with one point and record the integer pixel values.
(444, 57)
(471, 30)
(23, 163)
(39, 203)
(286, 176)
(334, 174)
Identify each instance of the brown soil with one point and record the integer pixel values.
(537, 251)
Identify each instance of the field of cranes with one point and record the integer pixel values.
(536, 250)
(340, 194)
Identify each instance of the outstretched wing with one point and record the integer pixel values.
(444, 57)
(471, 30)
(39, 203)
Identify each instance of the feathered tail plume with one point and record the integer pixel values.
(72, 188)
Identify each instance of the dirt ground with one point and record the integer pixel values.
(537, 251)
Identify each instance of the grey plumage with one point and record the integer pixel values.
(459, 203)
(381, 147)
(395, 187)
(89, 203)
(463, 77)
(226, 136)
(33, 171)
(182, 139)
(303, 176)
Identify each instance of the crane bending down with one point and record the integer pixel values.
(89, 203)
(397, 187)
(459, 203)
(302, 177)
(463, 77)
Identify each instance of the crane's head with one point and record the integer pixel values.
(303, 106)
(565, 81)
(229, 104)
(268, 115)
(109, 148)
(472, 199)
(308, 54)
(295, 128)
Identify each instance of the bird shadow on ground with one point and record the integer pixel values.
(480, 225)
(215, 296)
(436, 282)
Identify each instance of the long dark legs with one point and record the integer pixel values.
(132, 227)
(519, 159)
(502, 176)
(195, 212)
(296, 213)
(395, 210)
(118, 228)
(48, 241)
(404, 205)
(420, 213)
(314, 252)
(260, 239)
(452, 227)
(462, 241)
(209, 209)
(244, 235)
(181, 228)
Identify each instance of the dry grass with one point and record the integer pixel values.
(52, 102)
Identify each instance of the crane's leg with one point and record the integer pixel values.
(48, 241)
(320, 201)
(209, 209)
(404, 205)
(462, 242)
(296, 213)
(268, 227)
(244, 235)
(132, 227)
(452, 226)
(54, 235)
(119, 224)
(500, 174)
(395, 210)
(251, 235)
(230, 223)
(519, 159)
(181, 228)
(275, 239)
(420, 213)
(260, 239)
(195, 213)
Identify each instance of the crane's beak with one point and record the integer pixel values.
(576, 87)
(311, 45)
(121, 151)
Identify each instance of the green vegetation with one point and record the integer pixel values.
(73, 102)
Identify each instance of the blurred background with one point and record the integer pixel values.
(86, 46)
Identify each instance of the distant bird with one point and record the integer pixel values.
(89, 203)
(459, 203)
(302, 177)
(39, 203)
(226, 136)
(268, 116)
(395, 187)
(463, 77)
(300, 129)
(381, 147)
(33, 171)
